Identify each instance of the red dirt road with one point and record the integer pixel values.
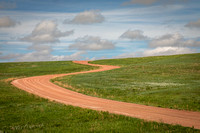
(41, 86)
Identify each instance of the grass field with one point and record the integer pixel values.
(163, 81)
(24, 112)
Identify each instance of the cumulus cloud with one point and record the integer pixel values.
(193, 24)
(46, 32)
(169, 44)
(174, 40)
(92, 43)
(191, 43)
(43, 35)
(87, 17)
(167, 51)
(166, 40)
(6, 22)
(134, 35)
(7, 5)
(44, 53)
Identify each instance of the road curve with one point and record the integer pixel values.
(41, 86)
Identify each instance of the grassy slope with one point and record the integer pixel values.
(24, 112)
(164, 81)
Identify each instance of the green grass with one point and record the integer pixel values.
(24, 112)
(163, 81)
(39, 68)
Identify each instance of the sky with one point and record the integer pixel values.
(56, 30)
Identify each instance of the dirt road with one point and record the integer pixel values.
(41, 86)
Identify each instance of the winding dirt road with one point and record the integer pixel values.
(41, 86)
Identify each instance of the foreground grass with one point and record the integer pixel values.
(163, 81)
(24, 112)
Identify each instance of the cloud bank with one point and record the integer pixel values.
(158, 51)
(174, 40)
(193, 24)
(92, 43)
(6, 22)
(45, 55)
(87, 17)
(167, 51)
(134, 35)
(46, 32)
(168, 44)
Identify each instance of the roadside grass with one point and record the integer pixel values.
(24, 112)
(163, 81)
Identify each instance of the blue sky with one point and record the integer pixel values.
(35, 30)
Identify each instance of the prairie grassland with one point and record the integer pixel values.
(24, 112)
(163, 81)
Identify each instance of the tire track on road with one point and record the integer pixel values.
(41, 86)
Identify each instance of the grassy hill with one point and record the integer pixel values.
(24, 112)
(163, 81)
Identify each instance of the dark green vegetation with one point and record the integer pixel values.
(24, 112)
(163, 81)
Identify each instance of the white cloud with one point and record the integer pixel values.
(7, 22)
(193, 24)
(46, 32)
(92, 43)
(167, 51)
(174, 40)
(134, 35)
(87, 17)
